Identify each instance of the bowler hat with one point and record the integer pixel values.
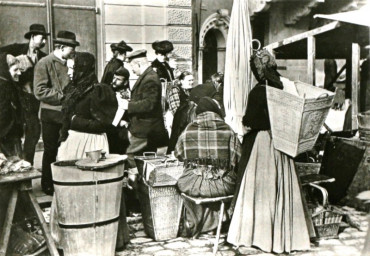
(66, 38)
(136, 54)
(122, 72)
(162, 46)
(121, 46)
(36, 29)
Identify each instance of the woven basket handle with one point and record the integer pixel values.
(322, 96)
(145, 154)
(258, 45)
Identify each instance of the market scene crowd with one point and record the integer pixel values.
(60, 98)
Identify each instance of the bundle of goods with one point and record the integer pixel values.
(15, 165)
(297, 114)
(158, 191)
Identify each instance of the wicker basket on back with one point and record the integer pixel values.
(296, 120)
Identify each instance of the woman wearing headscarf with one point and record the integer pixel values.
(178, 98)
(267, 206)
(88, 109)
(10, 110)
(210, 151)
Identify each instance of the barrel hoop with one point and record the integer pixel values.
(88, 225)
(87, 183)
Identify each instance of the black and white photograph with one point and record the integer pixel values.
(184, 127)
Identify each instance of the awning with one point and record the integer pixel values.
(358, 17)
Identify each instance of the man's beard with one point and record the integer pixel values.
(119, 87)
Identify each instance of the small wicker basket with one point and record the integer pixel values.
(327, 223)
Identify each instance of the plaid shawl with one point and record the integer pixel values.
(209, 141)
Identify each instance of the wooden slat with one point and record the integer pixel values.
(5, 234)
(305, 35)
(20, 176)
(311, 57)
(44, 227)
(355, 84)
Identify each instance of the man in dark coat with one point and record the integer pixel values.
(51, 77)
(160, 64)
(146, 128)
(29, 54)
(119, 55)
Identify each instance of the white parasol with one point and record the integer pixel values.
(237, 80)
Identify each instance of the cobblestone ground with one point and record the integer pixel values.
(350, 243)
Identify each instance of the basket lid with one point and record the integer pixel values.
(109, 161)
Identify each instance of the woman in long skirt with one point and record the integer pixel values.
(268, 212)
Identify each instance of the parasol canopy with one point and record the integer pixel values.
(237, 80)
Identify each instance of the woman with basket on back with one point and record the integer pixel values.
(267, 208)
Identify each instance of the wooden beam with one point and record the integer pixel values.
(311, 57)
(44, 227)
(355, 83)
(5, 233)
(304, 35)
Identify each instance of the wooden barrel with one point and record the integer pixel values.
(88, 203)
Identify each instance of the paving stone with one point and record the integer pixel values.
(152, 249)
(358, 234)
(344, 236)
(352, 242)
(329, 242)
(224, 247)
(326, 253)
(350, 230)
(226, 253)
(165, 253)
(140, 233)
(248, 250)
(308, 254)
(140, 240)
(202, 254)
(176, 240)
(177, 245)
(154, 243)
(346, 250)
(198, 250)
(200, 242)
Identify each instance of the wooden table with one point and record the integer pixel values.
(19, 187)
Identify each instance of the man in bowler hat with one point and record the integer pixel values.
(49, 81)
(29, 54)
(119, 55)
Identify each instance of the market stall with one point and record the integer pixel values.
(345, 38)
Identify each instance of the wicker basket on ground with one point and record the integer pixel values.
(160, 201)
(296, 120)
(327, 223)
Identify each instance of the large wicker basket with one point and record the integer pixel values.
(161, 208)
(160, 201)
(296, 120)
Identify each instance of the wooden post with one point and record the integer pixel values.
(311, 56)
(355, 84)
(5, 234)
(49, 20)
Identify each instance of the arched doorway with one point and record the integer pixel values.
(212, 42)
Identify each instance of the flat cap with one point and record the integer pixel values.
(136, 54)
(122, 72)
(163, 46)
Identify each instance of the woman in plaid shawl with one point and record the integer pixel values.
(210, 151)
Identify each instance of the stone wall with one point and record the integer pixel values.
(141, 22)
